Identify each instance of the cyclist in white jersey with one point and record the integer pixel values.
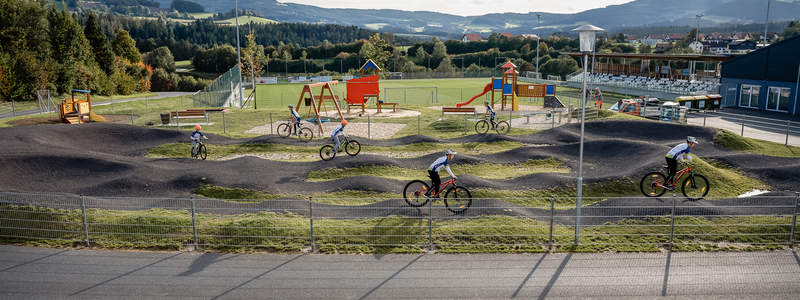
(679, 152)
(295, 118)
(439, 164)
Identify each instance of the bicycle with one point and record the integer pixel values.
(456, 198)
(694, 187)
(201, 152)
(305, 134)
(483, 126)
(351, 147)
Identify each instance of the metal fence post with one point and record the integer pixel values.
(112, 104)
(510, 116)
(672, 222)
(13, 109)
(465, 124)
(131, 117)
(742, 127)
(311, 222)
(177, 120)
(83, 221)
(552, 217)
(552, 119)
(569, 114)
(180, 99)
(704, 117)
(794, 219)
(788, 131)
(224, 129)
(430, 225)
(405, 98)
(270, 123)
(419, 130)
(369, 127)
(194, 225)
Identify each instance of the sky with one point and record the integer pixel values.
(468, 7)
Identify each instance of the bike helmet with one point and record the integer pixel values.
(691, 139)
(197, 127)
(450, 151)
(486, 102)
(344, 122)
(291, 106)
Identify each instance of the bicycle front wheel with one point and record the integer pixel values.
(415, 193)
(284, 130)
(203, 153)
(652, 184)
(695, 187)
(306, 134)
(503, 127)
(327, 152)
(457, 199)
(482, 127)
(352, 148)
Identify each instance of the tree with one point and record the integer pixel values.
(644, 48)
(792, 30)
(253, 54)
(101, 47)
(376, 50)
(473, 68)
(562, 66)
(421, 54)
(446, 66)
(439, 49)
(125, 47)
(161, 58)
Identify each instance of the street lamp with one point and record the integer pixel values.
(587, 41)
(766, 23)
(539, 24)
(239, 50)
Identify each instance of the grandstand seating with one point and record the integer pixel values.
(680, 86)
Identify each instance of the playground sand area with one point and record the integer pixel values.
(371, 130)
(385, 113)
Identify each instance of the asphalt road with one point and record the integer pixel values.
(61, 273)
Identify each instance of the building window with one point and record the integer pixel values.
(749, 96)
(778, 99)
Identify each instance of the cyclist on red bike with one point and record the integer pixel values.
(680, 152)
(439, 164)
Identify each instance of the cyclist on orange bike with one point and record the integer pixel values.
(439, 164)
(679, 152)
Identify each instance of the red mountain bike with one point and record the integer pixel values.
(456, 198)
(694, 187)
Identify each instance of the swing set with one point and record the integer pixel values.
(315, 103)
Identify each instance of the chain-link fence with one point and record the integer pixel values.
(391, 225)
(225, 91)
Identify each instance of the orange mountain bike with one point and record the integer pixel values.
(456, 198)
(694, 187)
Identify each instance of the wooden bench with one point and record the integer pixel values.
(188, 114)
(381, 104)
(458, 110)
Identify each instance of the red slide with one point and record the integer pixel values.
(486, 89)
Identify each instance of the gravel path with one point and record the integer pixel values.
(373, 130)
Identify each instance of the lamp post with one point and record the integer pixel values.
(766, 23)
(239, 50)
(587, 40)
(538, 24)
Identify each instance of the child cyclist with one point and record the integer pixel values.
(439, 164)
(679, 152)
(195, 137)
(295, 119)
(335, 134)
(489, 111)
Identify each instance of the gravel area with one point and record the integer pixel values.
(376, 130)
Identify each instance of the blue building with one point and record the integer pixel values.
(765, 79)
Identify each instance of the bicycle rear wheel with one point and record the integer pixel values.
(502, 127)
(284, 130)
(695, 187)
(306, 134)
(652, 184)
(482, 127)
(327, 152)
(457, 199)
(414, 193)
(203, 152)
(352, 148)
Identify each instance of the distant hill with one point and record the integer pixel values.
(634, 14)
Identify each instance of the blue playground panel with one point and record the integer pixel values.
(508, 89)
(550, 90)
(314, 120)
(497, 84)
